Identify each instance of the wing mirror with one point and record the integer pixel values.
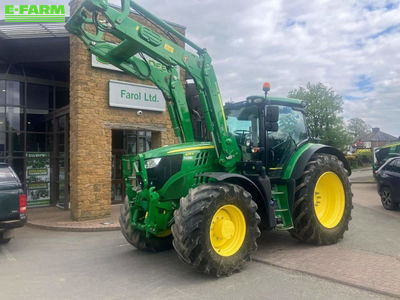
(271, 118)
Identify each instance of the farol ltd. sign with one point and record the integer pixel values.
(135, 96)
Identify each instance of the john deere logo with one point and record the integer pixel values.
(35, 13)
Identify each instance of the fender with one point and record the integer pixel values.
(260, 189)
(298, 162)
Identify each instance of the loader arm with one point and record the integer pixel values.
(95, 19)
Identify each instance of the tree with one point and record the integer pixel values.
(358, 127)
(322, 110)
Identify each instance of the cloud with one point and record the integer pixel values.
(351, 46)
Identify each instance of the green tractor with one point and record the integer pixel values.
(238, 168)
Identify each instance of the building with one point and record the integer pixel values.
(62, 128)
(376, 138)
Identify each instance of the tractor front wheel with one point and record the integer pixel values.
(216, 227)
(138, 238)
(322, 209)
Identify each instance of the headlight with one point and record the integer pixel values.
(152, 163)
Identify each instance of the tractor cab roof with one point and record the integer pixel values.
(270, 100)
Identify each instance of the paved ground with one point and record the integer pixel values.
(46, 264)
(363, 175)
(368, 256)
(58, 219)
(42, 264)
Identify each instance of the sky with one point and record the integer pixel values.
(351, 46)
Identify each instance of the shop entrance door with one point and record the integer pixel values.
(125, 142)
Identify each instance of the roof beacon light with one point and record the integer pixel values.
(266, 88)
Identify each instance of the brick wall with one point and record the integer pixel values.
(91, 123)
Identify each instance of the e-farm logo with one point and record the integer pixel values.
(35, 13)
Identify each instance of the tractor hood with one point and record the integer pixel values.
(176, 149)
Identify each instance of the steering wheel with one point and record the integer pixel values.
(241, 132)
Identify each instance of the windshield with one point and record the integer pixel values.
(243, 124)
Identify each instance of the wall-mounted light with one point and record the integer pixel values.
(3, 91)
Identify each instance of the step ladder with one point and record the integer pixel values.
(281, 207)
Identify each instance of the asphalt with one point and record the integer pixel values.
(367, 258)
(363, 175)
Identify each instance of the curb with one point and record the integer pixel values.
(74, 229)
(361, 287)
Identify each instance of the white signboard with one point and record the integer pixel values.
(135, 96)
(98, 63)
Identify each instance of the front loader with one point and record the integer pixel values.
(237, 169)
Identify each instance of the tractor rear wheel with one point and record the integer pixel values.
(322, 209)
(138, 238)
(216, 227)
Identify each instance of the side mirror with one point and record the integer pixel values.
(271, 118)
(272, 113)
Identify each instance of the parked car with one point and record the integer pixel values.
(388, 178)
(382, 154)
(12, 203)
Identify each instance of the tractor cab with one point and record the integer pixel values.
(267, 129)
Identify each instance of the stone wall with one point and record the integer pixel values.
(91, 124)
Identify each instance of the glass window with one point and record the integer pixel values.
(3, 68)
(16, 69)
(15, 118)
(291, 126)
(36, 142)
(36, 122)
(2, 92)
(3, 118)
(14, 93)
(61, 144)
(2, 144)
(39, 97)
(61, 123)
(243, 124)
(117, 139)
(131, 142)
(62, 97)
(15, 144)
(396, 167)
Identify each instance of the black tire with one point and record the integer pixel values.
(3, 240)
(193, 219)
(307, 227)
(387, 199)
(137, 238)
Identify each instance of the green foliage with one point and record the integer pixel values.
(358, 127)
(323, 108)
(361, 159)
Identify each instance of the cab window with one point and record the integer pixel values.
(243, 124)
(291, 126)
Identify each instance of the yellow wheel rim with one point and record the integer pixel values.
(227, 230)
(329, 199)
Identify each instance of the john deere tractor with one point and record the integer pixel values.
(237, 168)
